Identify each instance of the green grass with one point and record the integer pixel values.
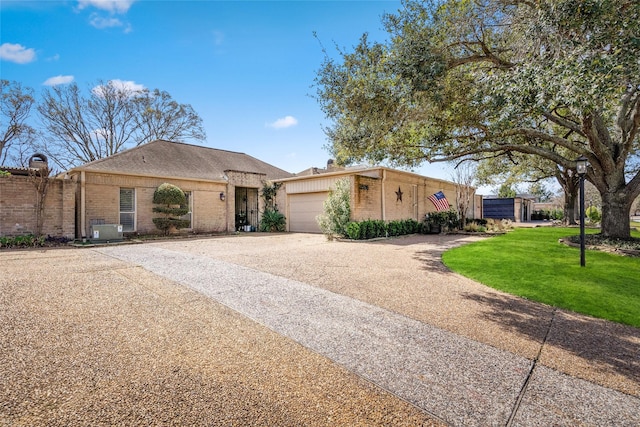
(531, 263)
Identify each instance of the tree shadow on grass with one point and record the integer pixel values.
(604, 343)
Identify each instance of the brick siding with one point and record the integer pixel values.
(18, 200)
(102, 202)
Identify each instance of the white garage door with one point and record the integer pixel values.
(303, 210)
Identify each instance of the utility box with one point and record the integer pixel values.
(106, 233)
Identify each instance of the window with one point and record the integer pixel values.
(189, 205)
(128, 209)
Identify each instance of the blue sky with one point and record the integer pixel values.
(246, 67)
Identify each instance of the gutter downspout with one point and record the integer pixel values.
(83, 212)
(383, 192)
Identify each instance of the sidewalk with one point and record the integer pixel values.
(456, 379)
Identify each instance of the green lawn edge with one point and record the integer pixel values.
(533, 264)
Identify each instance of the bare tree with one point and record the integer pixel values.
(40, 178)
(15, 133)
(160, 117)
(463, 177)
(113, 117)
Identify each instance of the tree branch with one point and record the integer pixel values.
(575, 127)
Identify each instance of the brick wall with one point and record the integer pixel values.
(102, 201)
(365, 201)
(18, 200)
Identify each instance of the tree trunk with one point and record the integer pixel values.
(615, 215)
(570, 200)
(571, 187)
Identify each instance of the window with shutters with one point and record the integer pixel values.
(128, 209)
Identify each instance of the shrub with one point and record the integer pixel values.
(593, 214)
(337, 210)
(380, 228)
(272, 221)
(471, 227)
(173, 200)
(442, 221)
(25, 241)
(374, 228)
(557, 214)
(411, 226)
(353, 230)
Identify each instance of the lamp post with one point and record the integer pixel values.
(581, 168)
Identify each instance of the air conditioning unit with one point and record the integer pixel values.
(106, 233)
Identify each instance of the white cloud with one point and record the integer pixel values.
(113, 6)
(58, 80)
(127, 86)
(17, 53)
(283, 123)
(102, 22)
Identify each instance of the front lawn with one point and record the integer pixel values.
(531, 263)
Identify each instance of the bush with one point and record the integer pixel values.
(593, 214)
(31, 241)
(272, 221)
(374, 228)
(169, 194)
(173, 200)
(437, 222)
(353, 230)
(337, 210)
(26, 241)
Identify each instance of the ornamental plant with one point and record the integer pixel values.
(442, 221)
(593, 214)
(337, 210)
(272, 220)
(172, 201)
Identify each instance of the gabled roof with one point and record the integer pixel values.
(179, 160)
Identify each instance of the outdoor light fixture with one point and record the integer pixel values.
(581, 168)
(222, 196)
(581, 165)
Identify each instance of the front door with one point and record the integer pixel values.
(246, 209)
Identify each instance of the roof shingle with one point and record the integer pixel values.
(176, 159)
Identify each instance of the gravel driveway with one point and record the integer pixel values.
(196, 331)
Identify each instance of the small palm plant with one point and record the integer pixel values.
(272, 220)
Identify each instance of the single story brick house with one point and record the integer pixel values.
(222, 187)
(376, 193)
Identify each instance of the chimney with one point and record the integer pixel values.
(330, 164)
(38, 161)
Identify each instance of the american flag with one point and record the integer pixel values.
(440, 201)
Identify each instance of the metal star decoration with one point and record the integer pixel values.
(399, 195)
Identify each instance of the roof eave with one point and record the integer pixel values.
(143, 175)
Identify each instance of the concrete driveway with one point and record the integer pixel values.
(292, 330)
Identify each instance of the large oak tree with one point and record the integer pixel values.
(550, 78)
